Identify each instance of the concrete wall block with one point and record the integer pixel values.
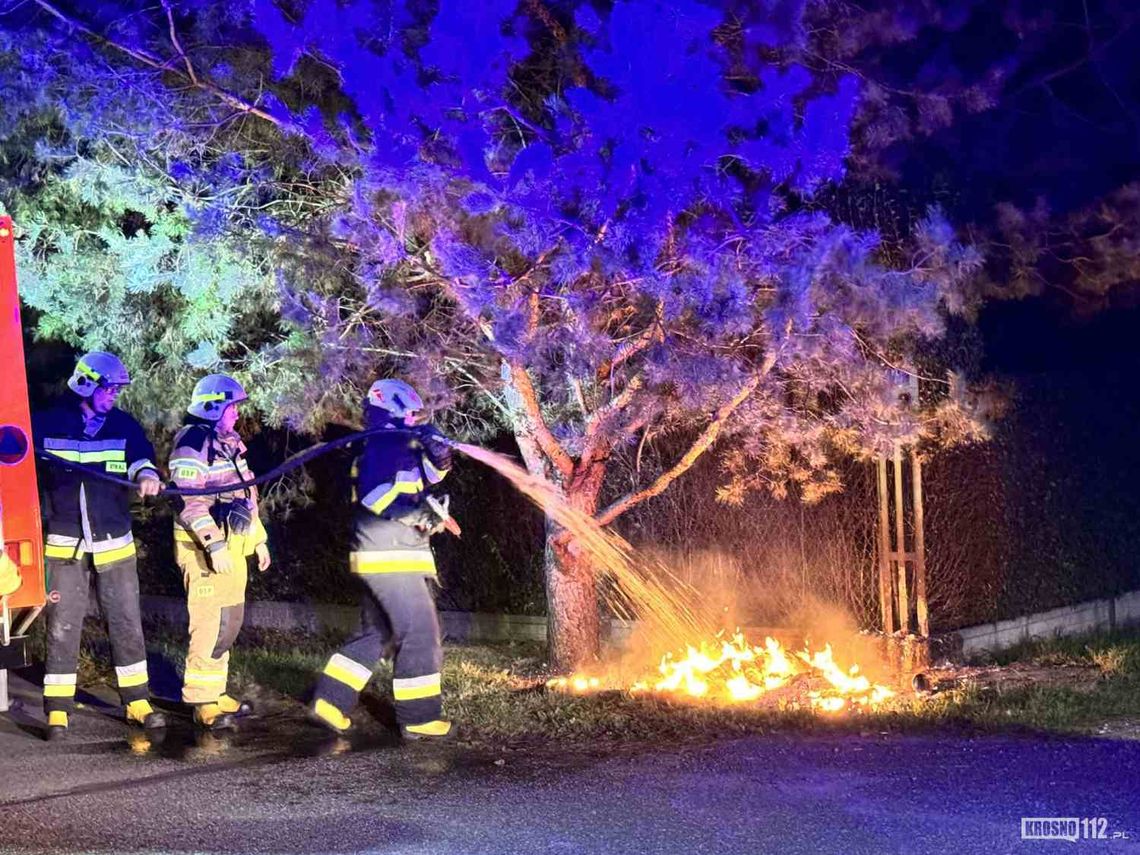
(480, 626)
(1128, 608)
(1068, 620)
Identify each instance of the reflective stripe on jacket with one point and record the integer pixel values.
(81, 513)
(204, 458)
(389, 480)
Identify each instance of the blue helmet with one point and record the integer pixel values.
(96, 369)
(394, 397)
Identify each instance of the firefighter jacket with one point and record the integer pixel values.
(390, 480)
(204, 458)
(84, 514)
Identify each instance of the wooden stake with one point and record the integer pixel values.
(919, 546)
(885, 586)
(900, 540)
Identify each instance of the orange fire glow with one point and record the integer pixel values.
(731, 670)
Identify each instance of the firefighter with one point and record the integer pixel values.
(393, 560)
(214, 536)
(87, 522)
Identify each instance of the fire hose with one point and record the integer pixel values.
(290, 463)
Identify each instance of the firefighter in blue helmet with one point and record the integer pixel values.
(87, 522)
(392, 557)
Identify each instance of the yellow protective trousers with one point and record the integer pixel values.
(216, 604)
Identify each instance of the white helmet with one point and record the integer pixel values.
(395, 397)
(96, 369)
(212, 394)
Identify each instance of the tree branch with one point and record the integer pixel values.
(597, 424)
(525, 400)
(150, 59)
(521, 395)
(654, 332)
(702, 444)
(177, 45)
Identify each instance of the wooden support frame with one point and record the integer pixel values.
(885, 586)
(921, 610)
(902, 571)
(900, 546)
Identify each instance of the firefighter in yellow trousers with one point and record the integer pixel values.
(213, 538)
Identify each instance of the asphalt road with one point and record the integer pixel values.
(280, 786)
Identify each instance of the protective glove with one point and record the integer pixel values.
(444, 521)
(239, 518)
(221, 561)
(435, 444)
(431, 517)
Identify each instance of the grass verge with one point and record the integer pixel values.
(498, 692)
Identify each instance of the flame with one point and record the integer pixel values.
(734, 671)
(717, 670)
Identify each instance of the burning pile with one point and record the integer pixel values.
(734, 671)
(729, 670)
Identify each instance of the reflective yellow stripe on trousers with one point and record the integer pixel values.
(131, 675)
(414, 688)
(59, 685)
(347, 671)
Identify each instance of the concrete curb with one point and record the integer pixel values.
(1090, 616)
(319, 618)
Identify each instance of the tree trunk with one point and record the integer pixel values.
(572, 621)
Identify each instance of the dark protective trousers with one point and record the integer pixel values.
(397, 613)
(117, 587)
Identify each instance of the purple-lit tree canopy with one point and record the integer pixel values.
(587, 224)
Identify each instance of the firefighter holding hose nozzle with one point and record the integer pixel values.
(87, 523)
(392, 558)
(214, 536)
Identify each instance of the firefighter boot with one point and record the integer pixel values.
(141, 712)
(329, 717)
(213, 717)
(438, 729)
(233, 706)
(57, 725)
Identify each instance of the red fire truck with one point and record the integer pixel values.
(22, 592)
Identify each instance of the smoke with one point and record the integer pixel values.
(729, 598)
